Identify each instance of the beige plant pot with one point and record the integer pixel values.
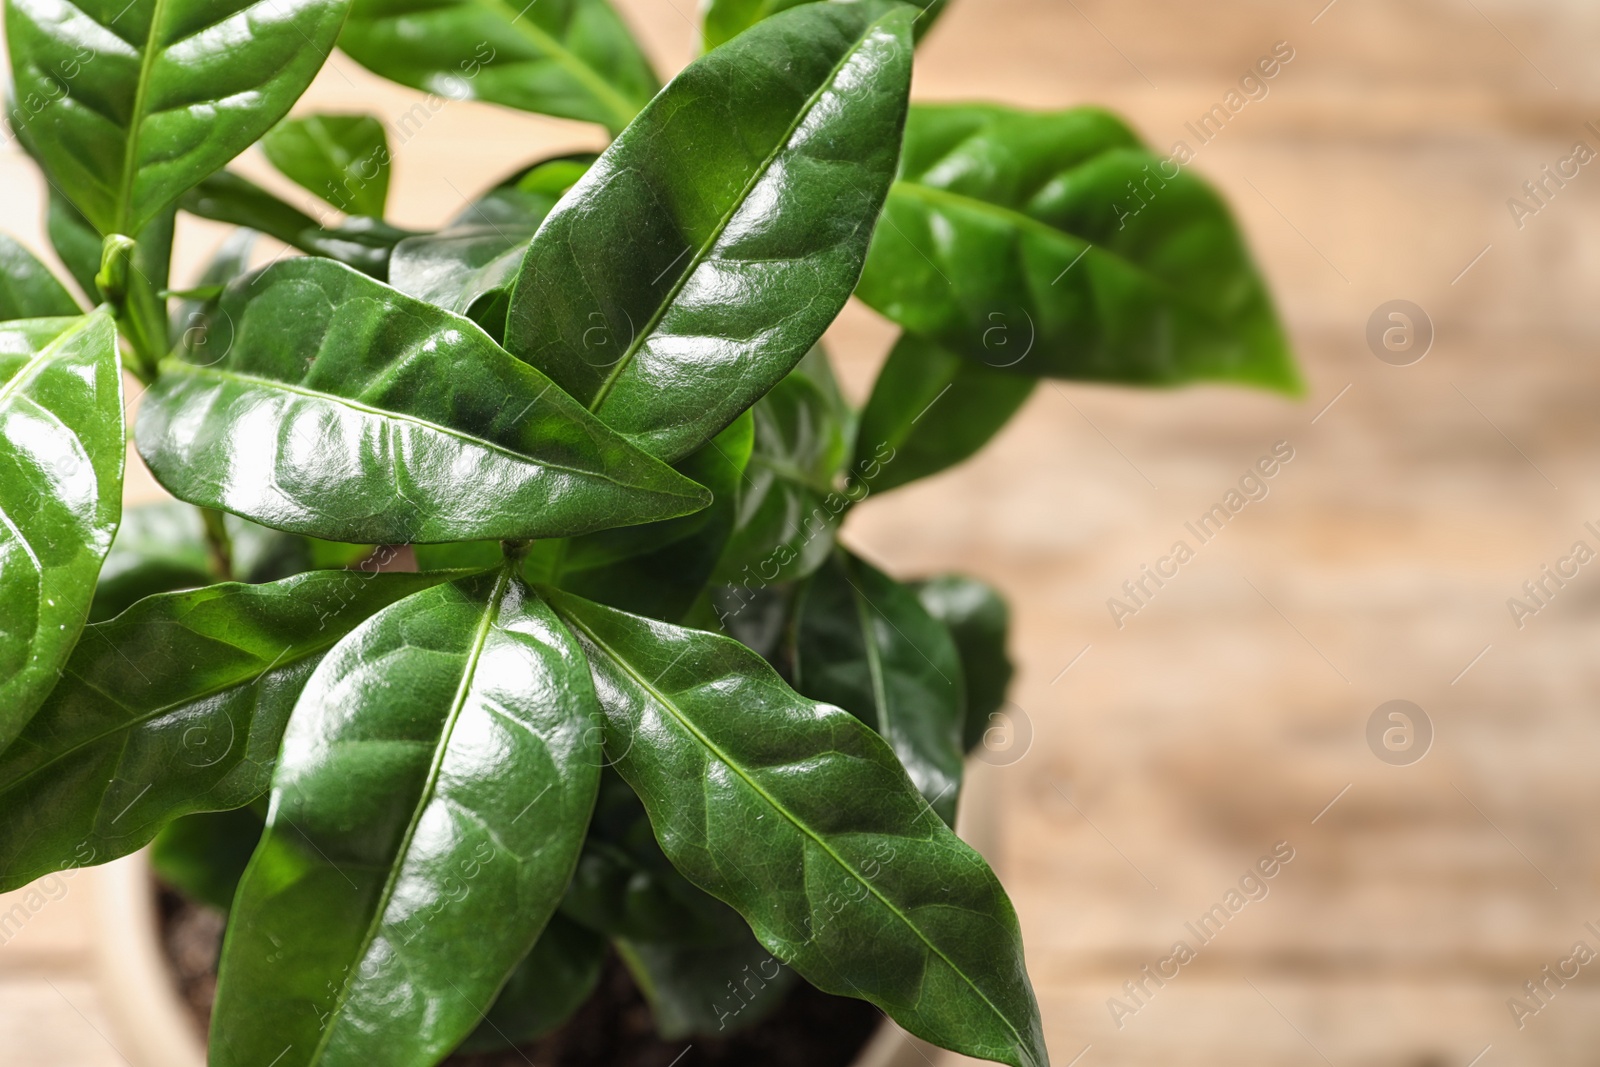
(153, 1028)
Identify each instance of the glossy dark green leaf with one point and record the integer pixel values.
(709, 247)
(571, 58)
(929, 410)
(191, 317)
(175, 706)
(660, 568)
(340, 408)
(61, 452)
(434, 787)
(552, 981)
(75, 241)
(1054, 244)
(204, 855)
(864, 642)
(146, 97)
(27, 288)
(709, 992)
(526, 197)
(344, 159)
(363, 243)
(802, 819)
(722, 20)
(790, 503)
(979, 621)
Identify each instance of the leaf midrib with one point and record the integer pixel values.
(789, 816)
(721, 227)
(41, 359)
(130, 148)
(491, 612)
(202, 373)
(1022, 220)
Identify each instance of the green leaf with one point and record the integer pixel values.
(363, 243)
(75, 241)
(61, 452)
(175, 706)
(789, 504)
(864, 642)
(27, 288)
(345, 410)
(802, 819)
(709, 247)
(191, 319)
(929, 410)
(979, 621)
(722, 20)
(204, 855)
(573, 59)
(1054, 244)
(552, 981)
(660, 568)
(148, 97)
(344, 159)
(710, 992)
(429, 804)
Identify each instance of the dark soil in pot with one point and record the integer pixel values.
(613, 1029)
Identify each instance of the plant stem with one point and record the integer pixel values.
(218, 544)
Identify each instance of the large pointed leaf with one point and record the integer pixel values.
(710, 992)
(433, 791)
(343, 409)
(864, 642)
(149, 96)
(344, 159)
(722, 20)
(800, 817)
(979, 621)
(1054, 244)
(570, 58)
(61, 453)
(177, 705)
(27, 288)
(709, 247)
(929, 410)
(204, 855)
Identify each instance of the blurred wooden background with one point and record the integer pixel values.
(1232, 711)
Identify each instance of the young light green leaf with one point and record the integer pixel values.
(344, 159)
(723, 20)
(1054, 244)
(27, 288)
(979, 621)
(930, 409)
(363, 243)
(573, 59)
(864, 642)
(802, 819)
(552, 981)
(709, 247)
(789, 505)
(434, 787)
(145, 98)
(342, 409)
(175, 706)
(61, 451)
